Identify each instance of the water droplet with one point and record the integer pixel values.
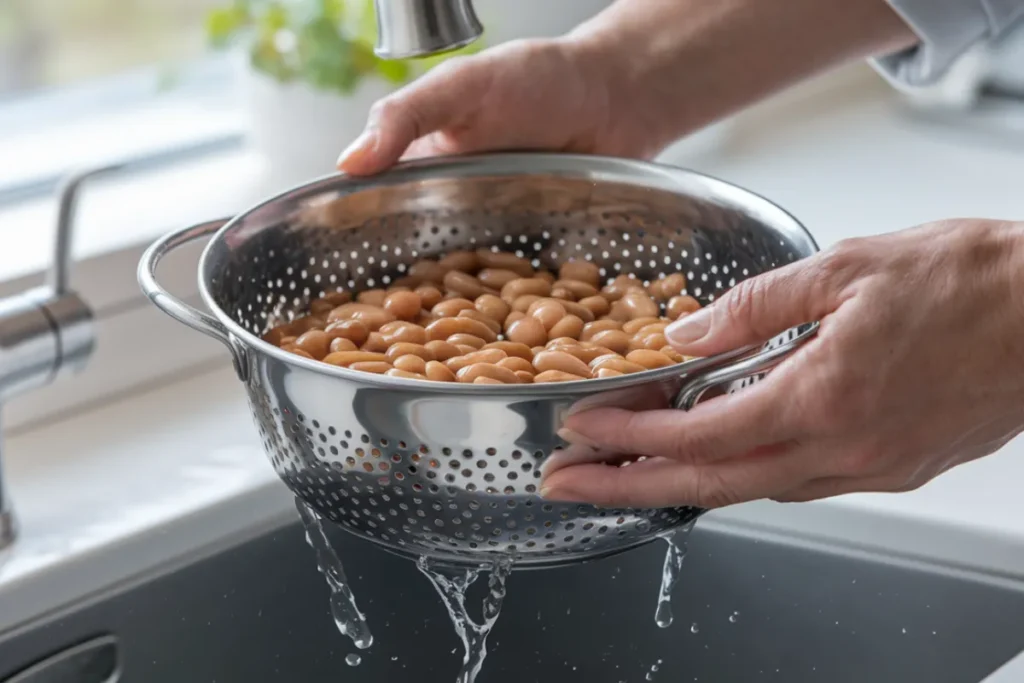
(353, 659)
(694, 628)
(674, 556)
(734, 617)
(904, 630)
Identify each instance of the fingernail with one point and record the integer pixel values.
(575, 438)
(366, 143)
(691, 328)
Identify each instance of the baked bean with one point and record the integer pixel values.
(471, 372)
(346, 358)
(634, 326)
(652, 328)
(375, 367)
(321, 307)
(446, 327)
(524, 286)
(465, 261)
(528, 331)
(408, 349)
(487, 380)
(581, 271)
(405, 374)
(341, 344)
(494, 307)
(538, 349)
(474, 314)
(562, 342)
(615, 362)
(591, 329)
(523, 303)
(597, 305)
(375, 343)
(512, 317)
(607, 372)
(353, 330)
(337, 298)
(504, 261)
(580, 289)
(587, 351)
(306, 323)
(648, 358)
(373, 316)
(512, 348)
(410, 363)
(560, 360)
(678, 306)
(451, 307)
(372, 297)
(288, 341)
(425, 318)
(547, 312)
(466, 340)
(618, 287)
(616, 340)
(524, 376)
(464, 349)
(297, 351)
(545, 275)
(619, 312)
(673, 285)
(466, 285)
(275, 334)
(491, 356)
(674, 355)
(316, 343)
(496, 278)
(400, 331)
(555, 376)
(640, 304)
(429, 295)
(516, 364)
(657, 290)
(405, 282)
(569, 326)
(404, 305)
(441, 350)
(439, 372)
(563, 293)
(654, 341)
(427, 271)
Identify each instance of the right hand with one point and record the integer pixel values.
(526, 94)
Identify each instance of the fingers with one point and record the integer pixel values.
(661, 482)
(755, 310)
(434, 102)
(724, 427)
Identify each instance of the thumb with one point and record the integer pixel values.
(436, 101)
(754, 311)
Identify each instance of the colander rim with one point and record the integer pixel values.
(679, 371)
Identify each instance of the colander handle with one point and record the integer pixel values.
(738, 365)
(179, 310)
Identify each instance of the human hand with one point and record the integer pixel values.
(527, 94)
(918, 366)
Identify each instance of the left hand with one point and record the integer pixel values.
(918, 367)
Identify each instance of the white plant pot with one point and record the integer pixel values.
(299, 130)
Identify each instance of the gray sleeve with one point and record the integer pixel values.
(947, 29)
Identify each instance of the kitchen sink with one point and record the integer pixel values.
(747, 608)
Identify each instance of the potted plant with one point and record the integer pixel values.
(309, 76)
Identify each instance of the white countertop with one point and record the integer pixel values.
(182, 462)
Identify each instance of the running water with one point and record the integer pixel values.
(452, 583)
(674, 556)
(347, 616)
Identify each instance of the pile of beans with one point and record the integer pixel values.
(490, 318)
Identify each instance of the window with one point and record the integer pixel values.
(83, 82)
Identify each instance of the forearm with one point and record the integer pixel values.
(684, 63)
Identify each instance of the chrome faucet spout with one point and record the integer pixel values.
(419, 28)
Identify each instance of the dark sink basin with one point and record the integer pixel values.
(258, 613)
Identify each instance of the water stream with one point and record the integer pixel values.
(675, 554)
(452, 584)
(344, 610)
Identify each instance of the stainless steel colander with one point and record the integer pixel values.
(451, 471)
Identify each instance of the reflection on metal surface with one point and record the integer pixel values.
(418, 28)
